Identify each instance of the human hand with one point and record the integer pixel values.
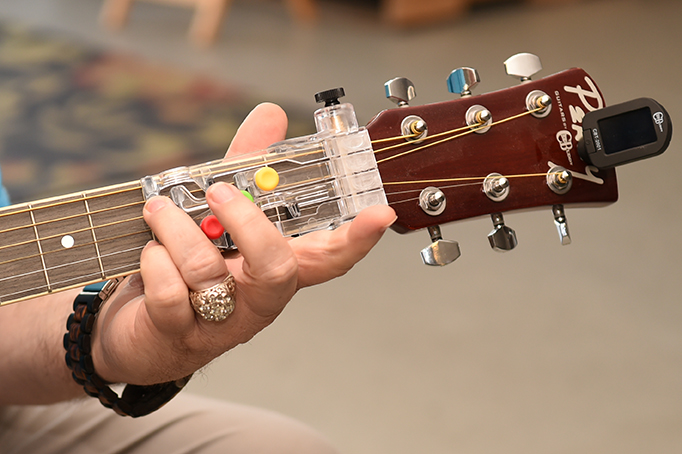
(157, 337)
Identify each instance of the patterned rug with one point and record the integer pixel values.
(74, 118)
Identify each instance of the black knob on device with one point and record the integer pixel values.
(330, 97)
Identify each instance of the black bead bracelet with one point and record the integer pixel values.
(135, 400)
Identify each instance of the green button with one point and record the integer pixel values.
(248, 195)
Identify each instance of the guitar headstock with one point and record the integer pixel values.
(506, 150)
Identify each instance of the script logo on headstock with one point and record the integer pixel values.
(590, 100)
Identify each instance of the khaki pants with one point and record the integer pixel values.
(188, 424)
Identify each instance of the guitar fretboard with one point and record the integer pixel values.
(59, 243)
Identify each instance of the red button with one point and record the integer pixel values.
(211, 227)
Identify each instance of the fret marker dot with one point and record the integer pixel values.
(68, 241)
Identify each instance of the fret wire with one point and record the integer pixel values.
(40, 250)
(277, 216)
(94, 237)
(140, 232)
(79, 283)
(210, 166)
(73, 216)
(65, 202)
(218, 165)
(72, 232)
(111, 254)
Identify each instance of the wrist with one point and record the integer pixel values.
(135, 400)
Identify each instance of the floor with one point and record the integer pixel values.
(545, 349)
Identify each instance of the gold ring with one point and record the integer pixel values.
(216, 303)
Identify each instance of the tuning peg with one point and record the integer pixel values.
(400, 90)
(441, 252)
(561, 224)
(502, 238)
(462, 80)
(523, 66)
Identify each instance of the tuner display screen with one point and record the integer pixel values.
(627, 130)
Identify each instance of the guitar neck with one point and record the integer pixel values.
(69, 241)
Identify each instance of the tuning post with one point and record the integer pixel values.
(561, 224)
(414, 128)
(462, 80)
(523, 66)
(400, 90)
(502, 238)
(432, 200)
(440, 252)
(496, 187)
(479, 118)
(559, 180)
(538, 99)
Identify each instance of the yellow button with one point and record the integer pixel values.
(266, 178)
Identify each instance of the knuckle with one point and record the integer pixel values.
(282, 273)
(204, 264)
(167, 295)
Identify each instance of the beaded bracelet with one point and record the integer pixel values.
(135, 400)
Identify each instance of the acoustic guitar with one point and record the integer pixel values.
(477, 155)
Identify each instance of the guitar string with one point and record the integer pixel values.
(117, 271)
(110, 224)
(471, 130)
(238, 166)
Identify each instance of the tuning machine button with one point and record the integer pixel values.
(502, 238)
(462, 80)
(400, 90)
(561, 224)
(559, 180)
(440, 252)
(523, 66)
(496, 187)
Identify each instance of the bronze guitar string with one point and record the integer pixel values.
(236, 166)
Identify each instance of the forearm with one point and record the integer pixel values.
(31, 347)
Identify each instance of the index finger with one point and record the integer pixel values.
(266, 253)
(266, 124)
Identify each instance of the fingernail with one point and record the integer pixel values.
(387, 226)
(220, 192)
(155, 204)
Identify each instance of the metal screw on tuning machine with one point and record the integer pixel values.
(479, 118)
(440, 252)
(523, 66)
(502, 238)
(414, 128)
(559, 180)
(432, 200)
(400, 90)
(462, 80)
(538, 99)
(496, 187)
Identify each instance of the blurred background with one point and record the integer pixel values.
(545, 349)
